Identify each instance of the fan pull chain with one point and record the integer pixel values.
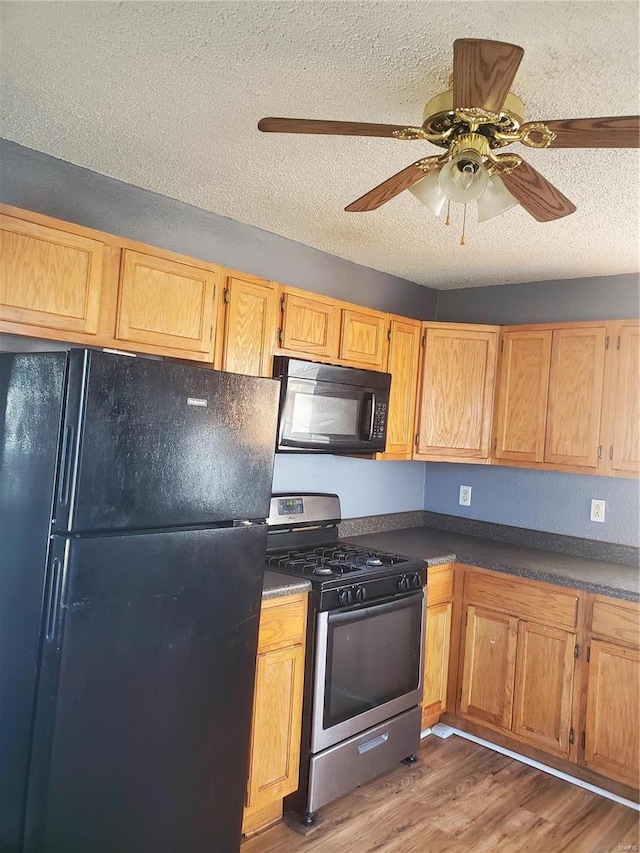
(464, 223)
(448, 219)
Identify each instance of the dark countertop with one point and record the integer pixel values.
(441, 546)
(277, 584)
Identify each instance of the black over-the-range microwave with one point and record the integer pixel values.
(329, 409)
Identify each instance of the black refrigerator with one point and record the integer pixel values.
(133, 494)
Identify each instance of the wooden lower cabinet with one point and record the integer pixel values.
(437, 643)
(551, 671)
(611, 741)
(274, 758)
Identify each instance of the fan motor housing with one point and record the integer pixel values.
(440, 118)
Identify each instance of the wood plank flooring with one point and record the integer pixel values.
(462, 797)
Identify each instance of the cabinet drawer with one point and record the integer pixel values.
(282, 622)
(531, 600)
(616, 620)
(439, 585)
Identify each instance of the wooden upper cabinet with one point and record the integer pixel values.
(456, 394)
(310, 325)
(544, 686)
(49, 277)
(363, 338)
(522, 391)
(575, 396)
(167, 306)
(250, 325)
(402, 364)
(623, 401)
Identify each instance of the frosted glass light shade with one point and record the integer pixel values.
(428, 192)
(464, 178)
(495, 199)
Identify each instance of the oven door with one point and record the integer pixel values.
(331, 418)
(369, 663)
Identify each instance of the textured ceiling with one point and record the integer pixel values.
(167, 97)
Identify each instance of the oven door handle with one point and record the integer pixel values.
(371, 744)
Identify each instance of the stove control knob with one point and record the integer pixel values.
(404, 583)
(415, 581)
(344, 596)
(360, 593)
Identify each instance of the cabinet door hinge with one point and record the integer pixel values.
(588, 654)
(618, 343)
(576, 651)
(225, 295)
(466, 617)
(211, 334)
(416, 440)
(502, 346)
(495, 444)
(215, 291)
(423, 342)
(282, 304)
(460, 695)
(389, 334)
(606, 342)
(583, 740)
(572, 736)
(611, 452)
(280, 336)
(599, 451)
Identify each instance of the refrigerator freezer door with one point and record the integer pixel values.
(149, 444)
(144, 703)
(31, 397)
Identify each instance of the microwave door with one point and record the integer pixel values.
(323, 416)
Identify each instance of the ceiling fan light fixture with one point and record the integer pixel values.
(495, 199)
(464, 177)
(429, 192)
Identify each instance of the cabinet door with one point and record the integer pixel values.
(575, 396)
(624, 449)
(310, 325)
(277, 717)
(544, 686)
(457, 393)
(363, 339)
(167, 306)
(250, 326)
(49, 277)
(612, 745)
(402, 364)
(521, 407)
(438, 633)
(489, 667)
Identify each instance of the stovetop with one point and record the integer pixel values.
(303, 541)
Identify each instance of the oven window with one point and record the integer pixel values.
(373, 656)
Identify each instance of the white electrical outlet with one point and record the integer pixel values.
(597, 510)
(465, 496)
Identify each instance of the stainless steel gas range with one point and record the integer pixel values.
(363, 675)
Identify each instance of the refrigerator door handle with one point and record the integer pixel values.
(65, 464)
(54, 594)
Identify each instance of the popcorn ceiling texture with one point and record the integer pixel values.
(166, 96)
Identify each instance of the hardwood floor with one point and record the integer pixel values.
(462, 797)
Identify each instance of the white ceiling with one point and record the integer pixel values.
(167, 96)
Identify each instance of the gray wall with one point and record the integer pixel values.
(613, 297)
(35, 181)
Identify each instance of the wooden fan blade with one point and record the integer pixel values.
(390, 188)
(335, 128)
(483, 72)
(610, 132)
(538, 197)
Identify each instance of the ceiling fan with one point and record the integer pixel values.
(472, 122)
